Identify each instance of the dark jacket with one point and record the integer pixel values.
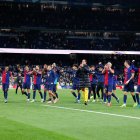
(83, 77)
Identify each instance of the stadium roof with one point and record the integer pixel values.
(99, 2)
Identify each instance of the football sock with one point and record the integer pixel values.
(28, 95)
(74, 94)
(134, 98)
(34, 95)
(89, 93)
(109, 98)
(113, 95)
(45, 94)
(79, 96)
(104, 97)
(16, 90)
(124, 99)
(94, 94)
(41, 95)
(137, 98)
(56, 94)
(25, 93)
(98, 94)
(5, 94)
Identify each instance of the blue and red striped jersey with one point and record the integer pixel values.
(37, 78)
(128, 73)
(27, 78)
(6, 77)
(108, 79)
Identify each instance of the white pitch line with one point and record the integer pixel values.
(91, 111)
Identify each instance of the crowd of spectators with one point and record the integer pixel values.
(69, 18)
(71, 40)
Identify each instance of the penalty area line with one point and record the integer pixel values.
(91, 111)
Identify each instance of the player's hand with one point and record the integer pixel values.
(127, 82)
(81, 65)
(106, 67)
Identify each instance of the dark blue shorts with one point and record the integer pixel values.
(49, 87)
(138, 89)
(108, 88)
(114, 86)
(37, 87)
(74, 87)
(129, 87)
(26, 86)
(54, 88)
(5, 87)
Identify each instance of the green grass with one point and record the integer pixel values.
(20, 120)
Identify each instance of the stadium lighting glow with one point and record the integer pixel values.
(53, 51)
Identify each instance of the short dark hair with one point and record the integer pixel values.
(92, 66)
(75, 65)
(128, 62)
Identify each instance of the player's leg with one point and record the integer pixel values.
(94, 93)
(40, 93)
(126, 90)
(4, 92)
(105, 94)
(78, 96)
(98, 88)
(114, 95)
(34, 93)
(95, 90)
(85, 95)
(137, 95)
(23, 90)
(73, 91)
(134, 99)
(124, 99)
(52, 96)
(102, 92)
(28, 93)
(55, 90)
(89, 94)
(45, 94)
(109, 99)
(17, 88)
(132, 90)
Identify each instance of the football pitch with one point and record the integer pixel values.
(66, 120)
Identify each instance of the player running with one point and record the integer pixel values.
(37, 78)
(108, 72)
(128, 83)
(6, 74)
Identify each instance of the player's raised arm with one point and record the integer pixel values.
(105, 68)
(109, 67)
